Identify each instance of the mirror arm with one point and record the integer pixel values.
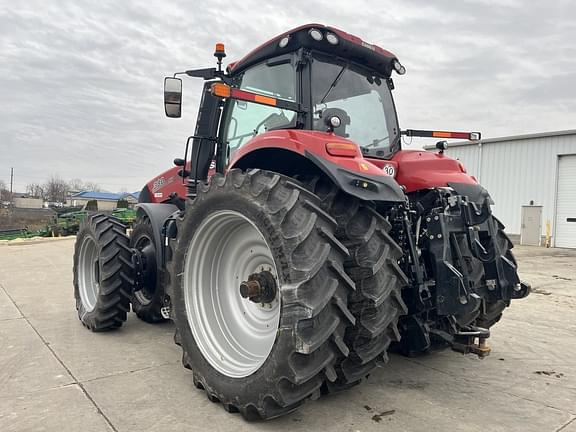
(206, 74)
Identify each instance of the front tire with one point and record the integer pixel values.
(240, 224)
(102, 273)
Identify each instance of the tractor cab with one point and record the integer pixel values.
(312, 78)
(316, 78)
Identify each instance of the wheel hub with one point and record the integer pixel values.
(259, 288)
(144, 262)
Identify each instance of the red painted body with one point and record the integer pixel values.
(420, 169)
(413, 169)
(161, 186)
(300, 141)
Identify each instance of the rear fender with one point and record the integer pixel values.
(158, 214)
(297, 152)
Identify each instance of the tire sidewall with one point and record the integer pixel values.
(284, 341)
(87, 317)
(153, 306)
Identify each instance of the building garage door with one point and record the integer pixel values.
(566, 203)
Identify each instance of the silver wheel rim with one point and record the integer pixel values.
(234, 334)
(88, 273)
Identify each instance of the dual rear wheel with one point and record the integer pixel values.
(281, 290)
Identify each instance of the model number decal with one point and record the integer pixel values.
(389, 170)
(158, 183)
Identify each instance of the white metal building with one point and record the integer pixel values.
(523, 173)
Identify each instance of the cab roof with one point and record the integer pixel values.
(347, 46)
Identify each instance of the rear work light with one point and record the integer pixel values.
(316, 34)
(342, 149)
(332, 38)
(400, 70)
(284, 41)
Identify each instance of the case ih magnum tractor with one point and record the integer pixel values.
(296, 244)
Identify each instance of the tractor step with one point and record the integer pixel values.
(165, 311)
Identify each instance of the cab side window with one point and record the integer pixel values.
(245, 120)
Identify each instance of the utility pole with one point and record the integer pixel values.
(11, 185)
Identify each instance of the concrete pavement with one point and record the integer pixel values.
(57, 376)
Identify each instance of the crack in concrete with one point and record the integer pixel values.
(11, 319)
(80, 385)
(565, 425)
(129, 372)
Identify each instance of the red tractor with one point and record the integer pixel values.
(296, 244)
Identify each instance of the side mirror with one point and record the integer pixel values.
(173, 97)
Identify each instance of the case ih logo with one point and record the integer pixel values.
(158, 183)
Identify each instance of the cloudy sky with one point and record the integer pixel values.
(81, 81)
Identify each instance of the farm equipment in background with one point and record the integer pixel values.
(67, 223)
(295, 242)
(125, 215)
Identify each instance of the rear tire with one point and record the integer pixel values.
(297, 237)
(102, 273)
(373, 265)
(148, 301)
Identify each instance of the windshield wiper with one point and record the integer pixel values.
(334, 83)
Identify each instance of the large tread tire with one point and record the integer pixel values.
(112, 300)
(148, 302)
(493, 309)
(314, 289)
(373, 266)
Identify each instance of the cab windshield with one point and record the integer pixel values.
(360, 99)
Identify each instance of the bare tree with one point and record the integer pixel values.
(91, 186)
(35, 190)
(56, 189)
(80, 185)
(76, 185)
